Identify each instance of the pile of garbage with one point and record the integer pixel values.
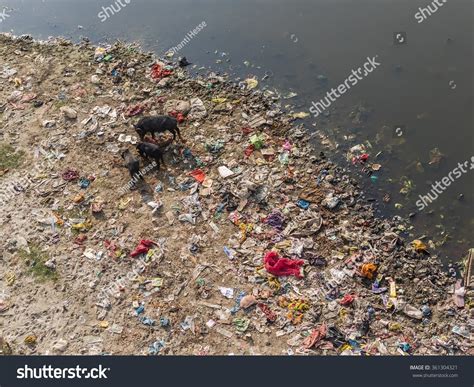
(247, 241)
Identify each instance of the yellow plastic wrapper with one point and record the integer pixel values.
(419, 246)
(10, 278)
(124, 203)
(393, 289)
(219, 100)
(252, 83)
(368, 270)
(84, 226)
(300, 115)
(30, 340)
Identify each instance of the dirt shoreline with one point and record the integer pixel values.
(68, 283)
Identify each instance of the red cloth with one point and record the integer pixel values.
(347, 299)
(157, 72)
(179, 116)
(111, 247)
(317, 335)
(249, 150)
(198, 174)
(360, 159)
(143, 247)
(282, 266)
(271, 316)
(70, 174)
(134, 110)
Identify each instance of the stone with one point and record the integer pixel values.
(68, 112)
(248, 301)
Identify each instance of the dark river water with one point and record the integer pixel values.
(415, 104)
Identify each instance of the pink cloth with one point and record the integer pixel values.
(317, 335)
(282, 266)
(347, 299)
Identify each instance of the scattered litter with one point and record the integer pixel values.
(156, 347)
(225, 172)
(227, 292)
(258, 242)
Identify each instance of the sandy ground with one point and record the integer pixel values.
(89, 305)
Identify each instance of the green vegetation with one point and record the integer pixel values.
(9, 158)
(35, 260)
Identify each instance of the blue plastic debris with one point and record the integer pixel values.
(164, 322)
(405, 347)
(354, 344)
(332, 294)
(186, 185)
(140, 309)
(301, 203)
(220, 208)
(147, 321)
(84, 182)
(156, 347)
(228, 252)
(321, 176)
(236, 307)
(187, 153)
(426, 310)
(187, 323)
(215, 147)
(377, 289)
(370, 312)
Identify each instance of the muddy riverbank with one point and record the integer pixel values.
(247, 241)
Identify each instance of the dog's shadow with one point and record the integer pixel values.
(146, 191)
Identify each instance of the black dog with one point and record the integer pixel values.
(132, 164)
(148, 150)
(157, 124)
